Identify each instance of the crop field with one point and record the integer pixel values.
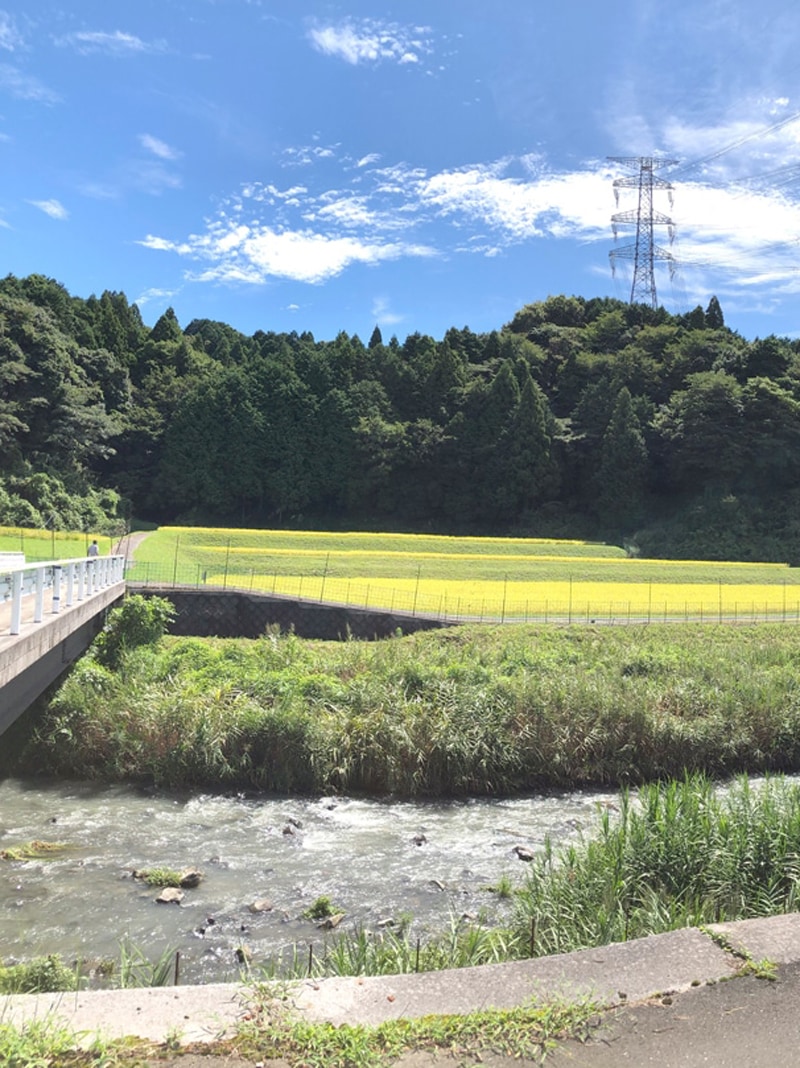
(468, 578)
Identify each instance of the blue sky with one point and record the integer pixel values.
(300, 165)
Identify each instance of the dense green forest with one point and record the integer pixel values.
(581, 417)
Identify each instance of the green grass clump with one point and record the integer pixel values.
(159, 877)
(321, 909)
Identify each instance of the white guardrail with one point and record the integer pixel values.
(70, 581)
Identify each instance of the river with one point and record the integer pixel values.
(374, 859)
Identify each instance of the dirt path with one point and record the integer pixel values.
(129, 542)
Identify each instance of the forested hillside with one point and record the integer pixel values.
(594, 418)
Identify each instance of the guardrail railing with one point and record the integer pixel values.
(69, 581)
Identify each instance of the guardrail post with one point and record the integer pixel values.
(56, 588)
(16, 602)
(38, 611)
(70, 583)
(81, 568)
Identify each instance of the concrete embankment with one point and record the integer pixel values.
(627, 973)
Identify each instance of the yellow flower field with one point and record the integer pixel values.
(578, 601)
(451, 577)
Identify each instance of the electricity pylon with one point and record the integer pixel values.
(644, 251)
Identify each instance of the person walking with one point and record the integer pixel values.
(94, 549)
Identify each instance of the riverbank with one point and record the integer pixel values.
(679, 975)
(466, 711)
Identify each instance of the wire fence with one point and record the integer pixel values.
(656, 603)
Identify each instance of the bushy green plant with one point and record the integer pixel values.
(321, 909)
(42, 975)
(138, 621)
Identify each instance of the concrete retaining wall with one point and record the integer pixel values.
(34, 660)
(238, 614)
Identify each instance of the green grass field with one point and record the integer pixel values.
(479, 578)
(50, 544)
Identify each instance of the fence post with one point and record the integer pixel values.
(16, 602)
(39, 609)
(56, 588)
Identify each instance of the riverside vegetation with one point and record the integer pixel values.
(473, 710)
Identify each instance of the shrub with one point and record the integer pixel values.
(138, 621)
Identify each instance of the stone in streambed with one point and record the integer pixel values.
(170, 895)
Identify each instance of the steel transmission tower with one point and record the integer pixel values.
(644, 251)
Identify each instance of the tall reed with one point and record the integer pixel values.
(677, 854)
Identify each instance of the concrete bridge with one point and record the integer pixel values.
(49, 614)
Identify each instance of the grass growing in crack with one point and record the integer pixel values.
(47, 1044)
(530, 1031)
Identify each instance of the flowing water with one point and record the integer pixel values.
(375, 860)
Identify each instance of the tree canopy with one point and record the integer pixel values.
(580, 417)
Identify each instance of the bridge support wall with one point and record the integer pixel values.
(46, 649)
(238, 614)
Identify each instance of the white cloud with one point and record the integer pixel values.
(118, 43)
(305, 155)
(54, 208)
(256, 254)
(25, 86)
(159, 148)
(371, 41)
(151, 177)
(154, 294)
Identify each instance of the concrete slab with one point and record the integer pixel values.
(190, 1013)
(626, 971)
(776, 938)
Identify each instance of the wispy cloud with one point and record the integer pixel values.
(377, 213)
(305, 155)
(158, 147)
(54, 208)
(118, 43)
(383, 314)
(10, 37)
(25, 86)
(150, 176)
(371, 41)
